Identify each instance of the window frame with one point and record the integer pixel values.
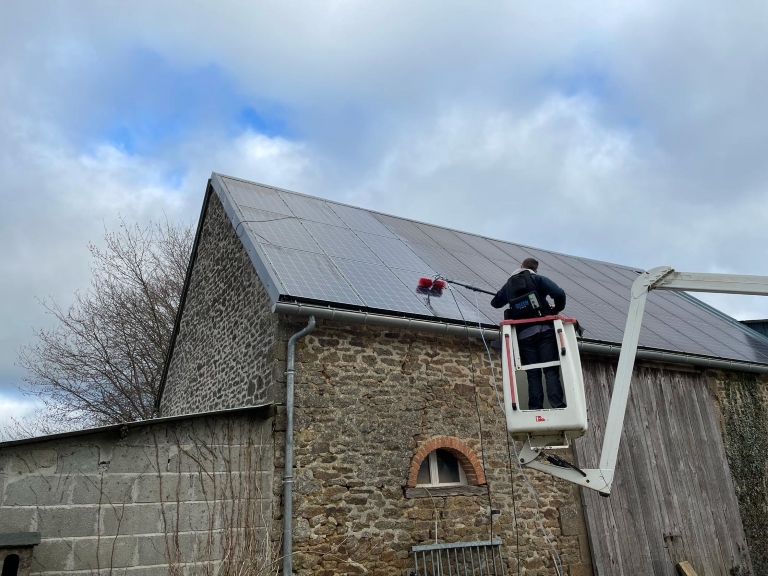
(433, 472)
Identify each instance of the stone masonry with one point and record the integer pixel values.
(367, 400)
(147, 500)
(223, 356)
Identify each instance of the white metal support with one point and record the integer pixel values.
(599, 480)
(661, 278)
(620, 393)
(717, 283)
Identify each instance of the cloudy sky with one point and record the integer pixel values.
(638, 132)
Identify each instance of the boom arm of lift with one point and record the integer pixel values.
(661, 278)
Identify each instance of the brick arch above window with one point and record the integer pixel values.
(467, 458)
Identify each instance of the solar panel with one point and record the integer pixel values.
(310, 275)
(492, 274)
(378, 287)
(405, 230)
(341, 242)
(397, 255)
(514, 252)
(256, 196)
(446, 239)
(331, 253)
(486, 248)
(447, 265)
(311, 209)
(444, 306)
(277, 229)
(360, 220)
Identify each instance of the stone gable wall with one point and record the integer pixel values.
(167, 498)
(366, 400)
(224, 352)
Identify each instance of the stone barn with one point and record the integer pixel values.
(300, 313)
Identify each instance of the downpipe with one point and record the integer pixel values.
(290, 372)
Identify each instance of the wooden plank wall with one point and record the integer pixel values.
(673, 497)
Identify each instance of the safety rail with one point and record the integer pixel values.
(459, 558)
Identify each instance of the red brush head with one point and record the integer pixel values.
(425, 283)
(430, 287)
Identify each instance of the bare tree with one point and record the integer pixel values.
(102, 362)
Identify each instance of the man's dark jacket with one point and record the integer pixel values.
(544, 287)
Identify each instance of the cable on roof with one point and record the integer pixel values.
(257, 221)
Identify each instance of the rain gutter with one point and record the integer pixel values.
(676, 358)
(373, 319)
(605, 349)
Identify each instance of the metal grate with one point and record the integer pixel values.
(459, 558)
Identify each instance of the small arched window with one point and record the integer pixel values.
(444, 461)
(441, 468)
(11, 565)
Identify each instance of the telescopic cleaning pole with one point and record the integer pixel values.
(469, 286)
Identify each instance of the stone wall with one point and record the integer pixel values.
(149, 499)
(366, 400)
(224, 352)
(742, 403)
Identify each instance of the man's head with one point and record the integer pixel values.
(530, 264)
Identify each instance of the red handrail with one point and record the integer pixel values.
(538, 319)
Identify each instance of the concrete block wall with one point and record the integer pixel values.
(224, 352)
(166, 495)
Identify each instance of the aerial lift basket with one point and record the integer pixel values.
(548, 427)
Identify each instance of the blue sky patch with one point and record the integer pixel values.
(595, 82)
(268, 121)
(153, 104)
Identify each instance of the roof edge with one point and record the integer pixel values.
(489, 334)
(265, 408)
(182, 300)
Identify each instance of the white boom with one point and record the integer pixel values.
(661, 278)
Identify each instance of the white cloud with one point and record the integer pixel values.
(14, 408)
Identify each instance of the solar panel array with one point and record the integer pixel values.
(321, 250)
